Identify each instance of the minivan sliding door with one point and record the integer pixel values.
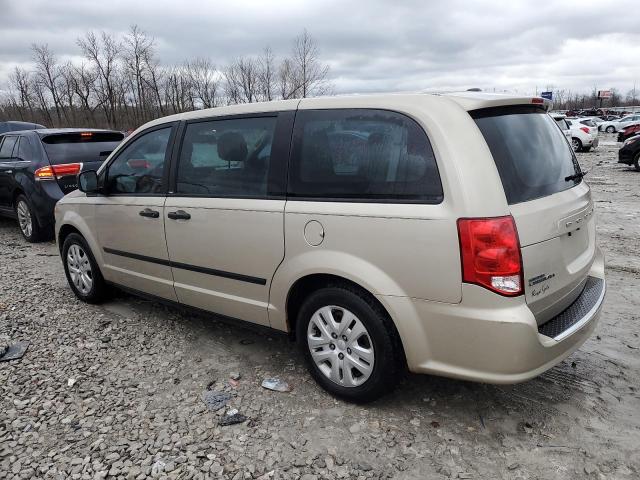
(224, 218)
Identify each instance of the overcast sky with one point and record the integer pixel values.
(370, 45)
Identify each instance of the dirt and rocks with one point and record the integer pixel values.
(116, 391)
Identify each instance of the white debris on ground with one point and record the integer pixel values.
(116, 391)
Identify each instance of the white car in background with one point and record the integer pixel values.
(561, 120)
(617, 125)
(584, 134)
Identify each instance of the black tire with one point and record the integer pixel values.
(576, 144)
(610, 129)
(636, 162)
(586, 149)
(389, 362)
(99, 290)
(27, 221)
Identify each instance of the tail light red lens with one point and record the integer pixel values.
(52, 172)
(490, 254)
(585, 129)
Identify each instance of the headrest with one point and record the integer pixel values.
(232, 147)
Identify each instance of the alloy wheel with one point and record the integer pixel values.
(575, 143)
(340, 346)
(79, 269)
(24, 218)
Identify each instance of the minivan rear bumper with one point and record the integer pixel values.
(493, 339)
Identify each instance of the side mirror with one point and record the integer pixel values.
(88, 181)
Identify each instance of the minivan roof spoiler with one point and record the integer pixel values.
(478, 100)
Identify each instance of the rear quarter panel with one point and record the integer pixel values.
(406, 250)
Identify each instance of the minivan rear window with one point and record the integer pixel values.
(80, 146)
(533, 158)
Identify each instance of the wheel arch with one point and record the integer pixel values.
(301, 288)
(71, 222)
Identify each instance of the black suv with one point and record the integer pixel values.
(38, 167)
(630, 152)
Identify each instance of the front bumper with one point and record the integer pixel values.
(487, 339)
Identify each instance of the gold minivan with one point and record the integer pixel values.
(447, 234)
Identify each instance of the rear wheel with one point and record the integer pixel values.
(82, 271)
(350, 345)
(610, 129)
(31, 230)
(576, 144)
(636, 162)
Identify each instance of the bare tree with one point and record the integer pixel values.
(242, 80)
(103, 55)
(138, 55)
(310, 75)
(20, 80)
(285, 80)
(204, 82)
(84, 80)
(267, 75)
(48, 75)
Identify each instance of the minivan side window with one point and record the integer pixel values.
(138, 169)
(226, 157)
(362, 155)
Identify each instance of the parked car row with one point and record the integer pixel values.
(614, 126)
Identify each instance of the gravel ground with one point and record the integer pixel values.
(116, 390)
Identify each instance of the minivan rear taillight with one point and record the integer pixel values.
(490, 254)
(51, 172)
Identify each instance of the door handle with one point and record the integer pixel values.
(179, 215)
(147, 212)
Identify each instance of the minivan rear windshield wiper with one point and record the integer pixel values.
(575, 176)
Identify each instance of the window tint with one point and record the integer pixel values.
(562, 123)
(26, 150)
(226, 157)
(139, 167)
(588, 123)
(531, 154)
(373, 155)
(80, 146)
(7, 147)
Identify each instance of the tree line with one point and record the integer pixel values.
(121, 83)
(565, 99)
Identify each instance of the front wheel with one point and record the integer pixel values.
(610, 129)
(350, 345)
(82, 271)
(636, 162)
(576, 144)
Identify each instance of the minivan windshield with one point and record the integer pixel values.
(533, 158)
(79, 147)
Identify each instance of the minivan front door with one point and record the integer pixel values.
(225, 220)
(130, 224)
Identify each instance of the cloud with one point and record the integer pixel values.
(371, 46)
